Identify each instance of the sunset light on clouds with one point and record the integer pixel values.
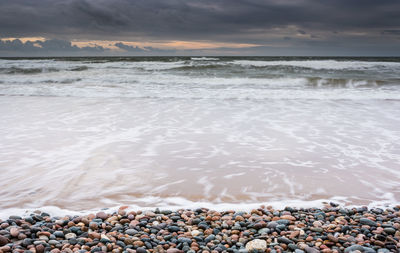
(155, 27)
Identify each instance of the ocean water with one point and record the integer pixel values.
(228, 132)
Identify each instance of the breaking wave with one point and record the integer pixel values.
(80, 68)
(202, 77)
(204, 59)
(15, 70)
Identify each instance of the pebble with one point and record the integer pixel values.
(312, 230)
(256, 244)
(366, 221)
(3, 240)
(284, 240)
(14, 232)
(311, 250)
(264, 231)
(288, 217)
(141, 250)
(101, 215)
(354, 248)
(70, 236)
(389, 231)
(131, 232)
(174, 250)
(195, 233)
(40, 248)
(332, 238)
(174, 229)
(58, 234)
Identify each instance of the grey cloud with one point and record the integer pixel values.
(242, 21)
(391, 32)
(48, 47)
(128, 48)
(145, 50)
(187, 19)
(57, 47)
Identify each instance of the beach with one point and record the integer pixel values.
(274, 139)
(330, 229)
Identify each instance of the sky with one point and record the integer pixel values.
(200, 27)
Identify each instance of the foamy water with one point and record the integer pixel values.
(180, 132)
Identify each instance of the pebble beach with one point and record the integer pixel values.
(199, 126)
(328, 229)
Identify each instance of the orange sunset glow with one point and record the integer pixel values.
(176, 44)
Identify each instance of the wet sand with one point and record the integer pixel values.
(90, 153)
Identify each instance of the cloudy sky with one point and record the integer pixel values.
(199, 27)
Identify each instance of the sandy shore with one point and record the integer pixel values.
(329, 229)
(211, 151)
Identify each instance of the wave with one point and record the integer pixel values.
(16, 70)
(80, 68)
(204, 59)
(345, 83)
(200, 67)
(38, 70)
(285, 67)
(139, 81)
(64, 81)
(144, 65)
(178, 203)
(320, 64)
(198, 63)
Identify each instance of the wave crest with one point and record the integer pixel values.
(16, 70)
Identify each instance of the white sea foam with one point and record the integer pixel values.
(65, 151)
(204, 59)
(321, 64)
(176, 203)
(185, 133)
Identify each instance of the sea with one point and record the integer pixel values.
(87, 133)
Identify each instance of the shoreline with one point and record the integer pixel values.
(328, 229)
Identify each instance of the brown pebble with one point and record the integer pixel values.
(94, 235)
(379, 243)
(3, 240)
(138, 243)
(294, 234)
(93, 226)
(14, 232)
(239, 218)
(5, 248)
(235, 237)
(39, 248)
(288, 217)
(174, 250)
(332, 238)
(101, 215)
(21, 236)
(43, 233)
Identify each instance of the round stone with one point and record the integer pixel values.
(256, 245)
(3, 240)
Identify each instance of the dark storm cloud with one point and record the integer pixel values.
(136, 49)
(128, 48)
(189, 18)
(52, 46)
(65, 48)
(391, 32)
(244, 21)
